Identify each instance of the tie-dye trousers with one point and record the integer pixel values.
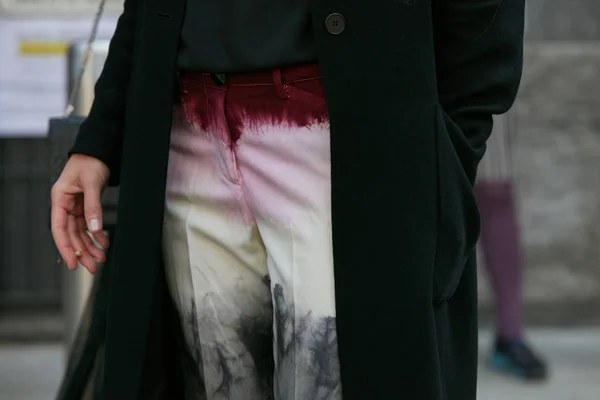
(247, 236)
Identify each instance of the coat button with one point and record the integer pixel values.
(335, 23)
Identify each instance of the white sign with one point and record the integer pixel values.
(34, 68)
(56, 7)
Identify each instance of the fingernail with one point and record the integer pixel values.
(94, 225)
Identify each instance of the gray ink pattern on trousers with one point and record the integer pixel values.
(191, 362)
(307, 345)
(233, 347)
(234, 360)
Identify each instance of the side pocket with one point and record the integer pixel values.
(458, 226)
(183, 108)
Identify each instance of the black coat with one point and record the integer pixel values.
(411, 86)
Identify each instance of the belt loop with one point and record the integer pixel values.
(219, 79)
(283, 89)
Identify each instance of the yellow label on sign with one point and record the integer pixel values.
(43, 48)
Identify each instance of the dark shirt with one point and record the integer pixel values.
(245, 35)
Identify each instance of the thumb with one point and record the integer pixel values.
(92, 192)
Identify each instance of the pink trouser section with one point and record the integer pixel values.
(247, 238)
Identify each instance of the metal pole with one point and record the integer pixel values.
(77, 284)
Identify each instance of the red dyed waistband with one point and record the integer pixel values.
(274, 77)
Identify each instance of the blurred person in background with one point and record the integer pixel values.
(502, 249)
(255, 142)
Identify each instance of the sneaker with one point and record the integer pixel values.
(516, 358)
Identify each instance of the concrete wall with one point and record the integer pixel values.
(563, 20)
(557, 162)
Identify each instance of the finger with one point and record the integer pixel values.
(102, 239)
(59, 221)
(89, 244)
(92, 206)
(99, 237)
(81, 252)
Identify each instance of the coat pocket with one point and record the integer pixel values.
(458, 221)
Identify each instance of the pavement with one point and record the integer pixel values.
(33, 371)
(574, 359)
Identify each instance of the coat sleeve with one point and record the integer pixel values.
(479, 61)
(101, 134)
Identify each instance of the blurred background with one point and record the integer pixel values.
(554, 152)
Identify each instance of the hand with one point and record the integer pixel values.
(76, 210)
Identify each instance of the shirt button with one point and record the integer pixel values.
(335, 23)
